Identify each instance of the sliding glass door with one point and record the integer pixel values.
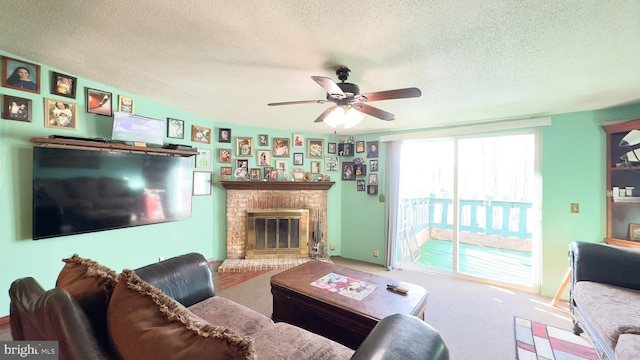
(470, 206)
(426, 204)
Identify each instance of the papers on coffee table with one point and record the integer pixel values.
(345, 286)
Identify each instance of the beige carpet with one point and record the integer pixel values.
(475, 320)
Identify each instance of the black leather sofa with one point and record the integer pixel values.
(605, 297)
(37, 314)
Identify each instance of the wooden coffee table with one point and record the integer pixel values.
(335, 316)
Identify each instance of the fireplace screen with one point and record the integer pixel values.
(277, 233)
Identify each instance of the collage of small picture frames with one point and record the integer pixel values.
(356, 169)
(58, 113)
(272, 155)
(61, 109)
(272, 158)
(308, 157)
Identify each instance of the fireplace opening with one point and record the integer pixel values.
(277, 233)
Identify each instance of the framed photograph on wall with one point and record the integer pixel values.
(373, 165)
(126, 104)
(242, 163)
(331, 148)
(224, 135)
(281, 147)
(316, 148)
(175, 128)
(281, 167)
(372, 189)
(20, 75)
(203, 158)
(373, 179)
(273, 175)
(372, 149)
(331, 164)
(99, 102)
(298, 140)
(264, 157)
(242, 169)
(244, 146)
(254, 175)
(361, 169)
(17, 108)
(225, 156)
(63, 85)
(60, 114)
(200, 134)
(359, 146)
(201, 183)
(360, 185)
(348, 171)
(298, 159)
(263, 140)
(315, 167)
(266, 173)
(226, 170)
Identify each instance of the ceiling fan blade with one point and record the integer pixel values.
(328, 85)
(375, 112)
(393, 94)
(325, 114)
(298, 102)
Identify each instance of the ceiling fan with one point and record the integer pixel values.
(346, 96)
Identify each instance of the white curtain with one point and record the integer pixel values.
(392, 163)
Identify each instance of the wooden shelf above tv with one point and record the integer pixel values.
(109, 146)
(276, 185)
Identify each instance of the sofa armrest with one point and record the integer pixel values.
(604, 263)
(402, 337)
(52, 315)
(186, 278)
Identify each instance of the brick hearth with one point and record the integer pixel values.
(240, 265)
(242, 196)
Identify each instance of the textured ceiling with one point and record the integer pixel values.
(225, 60)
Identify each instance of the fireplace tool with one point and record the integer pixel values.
(317, 251)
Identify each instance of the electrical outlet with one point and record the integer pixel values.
(161, 258)
(575, 208)
(376, 253)
(332, 246)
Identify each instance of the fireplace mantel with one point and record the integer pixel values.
(276, 185)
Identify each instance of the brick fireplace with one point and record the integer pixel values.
(259, 195)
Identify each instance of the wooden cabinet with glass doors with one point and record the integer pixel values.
(623, 183)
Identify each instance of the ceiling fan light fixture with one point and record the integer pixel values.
(352, 117)
(346, 118)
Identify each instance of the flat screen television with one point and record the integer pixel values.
(81, 191)
(134, 128)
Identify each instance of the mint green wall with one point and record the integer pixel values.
(573, 170)
(363, 229)
(205, 232)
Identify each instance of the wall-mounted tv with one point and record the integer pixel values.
(80, 191)
(134, 128)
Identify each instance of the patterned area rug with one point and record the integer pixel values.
(536, 341)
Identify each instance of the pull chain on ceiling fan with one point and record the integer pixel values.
(349, 103)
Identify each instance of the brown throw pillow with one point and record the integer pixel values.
(145, 323)
(91, 285)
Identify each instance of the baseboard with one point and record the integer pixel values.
(4, 321)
